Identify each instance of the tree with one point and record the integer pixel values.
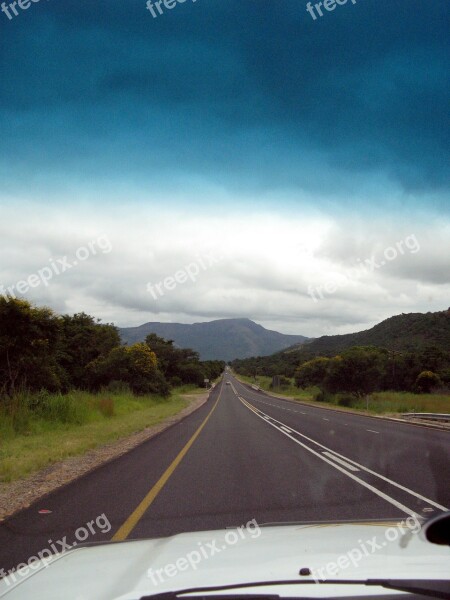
(165, 352)
(312, 372)
(427, 381)
(177, 364)
(359, 371)
(136, 365)
(83, 339)
(28, 347)
(212, 368)
(401, 370)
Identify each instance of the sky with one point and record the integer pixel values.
(226, 158)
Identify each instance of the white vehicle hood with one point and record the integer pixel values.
(129, 570)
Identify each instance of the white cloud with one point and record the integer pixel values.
(267, 263)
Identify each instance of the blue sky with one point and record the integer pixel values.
(243, 127)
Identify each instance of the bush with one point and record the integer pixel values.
(117, 386)
(346, 400)
(321, 396)
(285, 381)
(280, 381)
(427, 381)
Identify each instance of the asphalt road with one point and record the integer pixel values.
(244, 455)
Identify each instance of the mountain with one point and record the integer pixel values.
(411, 332)
(408, 332)
(224, 339)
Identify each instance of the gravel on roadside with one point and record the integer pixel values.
(20, 494)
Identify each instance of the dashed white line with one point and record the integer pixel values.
(372, 431)
(340, 461)
(349, 460)
(373, 489)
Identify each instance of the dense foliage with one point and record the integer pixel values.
(40, 350)
(408, 352)
(82, 341)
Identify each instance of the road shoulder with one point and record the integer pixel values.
(416, 423)
(19, 494)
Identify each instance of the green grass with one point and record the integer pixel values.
(291, 391)
(42, 429)
(398, 402)
(387, 403)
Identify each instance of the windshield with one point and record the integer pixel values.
(224, 290)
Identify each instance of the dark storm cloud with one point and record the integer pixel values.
(247, 93)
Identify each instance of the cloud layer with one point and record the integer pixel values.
(296, 150)
(298, 275)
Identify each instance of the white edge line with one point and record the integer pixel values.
(362, 467)
(389, 499)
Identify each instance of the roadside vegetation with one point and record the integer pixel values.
(382, 402)
(405, 369)
(45, 428)
(68, 385)
(400, 365)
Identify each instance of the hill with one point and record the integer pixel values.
(224, 339)
(407, 332)
(411, 332)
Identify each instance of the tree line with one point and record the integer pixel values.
(41, 350)
(365, 369)
(358, 370)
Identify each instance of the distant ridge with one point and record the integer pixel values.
(411, 332)
(223, 339)
(408, 331)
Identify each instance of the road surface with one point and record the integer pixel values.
(245, 455)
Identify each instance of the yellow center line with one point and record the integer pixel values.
(127, 527)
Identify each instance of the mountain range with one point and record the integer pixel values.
(223, 339)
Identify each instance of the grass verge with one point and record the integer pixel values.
(381, 403)
(42, 429)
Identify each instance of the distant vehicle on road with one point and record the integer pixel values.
(228, 383)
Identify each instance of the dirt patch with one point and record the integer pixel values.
(20, 494)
